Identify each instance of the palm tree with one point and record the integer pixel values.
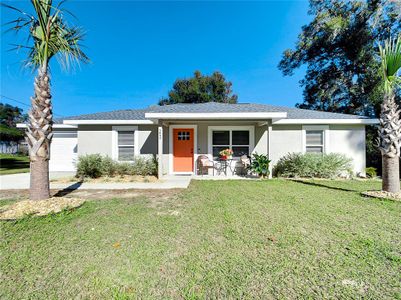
(390, 123)
(50, 36)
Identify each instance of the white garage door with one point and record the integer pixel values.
(63, 151)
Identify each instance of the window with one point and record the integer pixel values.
(183, 135)
(236, 140)
(126, 148)
(125, 143)
(314, 141)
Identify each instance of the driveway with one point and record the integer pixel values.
(21, 181)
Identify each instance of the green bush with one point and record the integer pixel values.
(313, 165)
(371, 172)
(260, 164)
(95, 165)
(109, 166)
(90, 166)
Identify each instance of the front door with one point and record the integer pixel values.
(183, 149)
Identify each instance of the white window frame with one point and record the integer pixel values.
(326, 132)
(115, 130)
(251, 130)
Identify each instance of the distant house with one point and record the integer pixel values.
(177, 134)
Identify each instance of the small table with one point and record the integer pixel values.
(224, 163)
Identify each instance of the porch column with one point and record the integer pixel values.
(269, 153)
(160, 151)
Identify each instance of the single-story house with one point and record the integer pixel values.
(177, 134)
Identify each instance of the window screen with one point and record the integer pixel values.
(126, 149)
(314, 141)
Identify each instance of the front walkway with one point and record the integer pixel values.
(21, 181)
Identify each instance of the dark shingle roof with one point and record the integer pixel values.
(211, 107)
(125, 114)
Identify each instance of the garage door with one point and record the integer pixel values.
(63, 151)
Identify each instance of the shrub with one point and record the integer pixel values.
(143, 166)
(95, 165)
(371, 172)
(90, 165)
(123, 168)
(109, 166)
(313, 165)
(260, 164)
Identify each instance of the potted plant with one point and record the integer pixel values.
(260, 165)
(226, 154)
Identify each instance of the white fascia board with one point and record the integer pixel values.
(208, 116)
(109, 122)
(22, 125)
(327, 121)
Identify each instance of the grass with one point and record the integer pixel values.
(12, 164)
(231, 239)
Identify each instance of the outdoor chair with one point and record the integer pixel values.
(205, 163)
(245, 161)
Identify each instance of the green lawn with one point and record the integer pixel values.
(12, 163)
(217, 239)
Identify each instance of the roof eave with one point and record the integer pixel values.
(109, 122)
(217, 116)
(326, 121)
(23, 125)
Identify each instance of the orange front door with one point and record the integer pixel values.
(183, 149)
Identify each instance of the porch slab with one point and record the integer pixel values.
(223, 177)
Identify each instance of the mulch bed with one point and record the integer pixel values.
(383, 195)
(24, 208)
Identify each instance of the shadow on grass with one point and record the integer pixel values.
(69, 189)
(13, 163)
(321, 184)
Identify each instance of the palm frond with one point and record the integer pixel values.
(390, 54)
(50, 35)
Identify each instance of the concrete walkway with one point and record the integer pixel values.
(21, 181)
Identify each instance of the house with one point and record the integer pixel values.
(179, 133)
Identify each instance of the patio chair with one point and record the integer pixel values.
(205, 163)
(245, 161)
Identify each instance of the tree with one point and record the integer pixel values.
(390, 123)
(338, 47)
(200, 89)
(50, 36)
(11, 115)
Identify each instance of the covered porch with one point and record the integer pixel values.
(184, 146)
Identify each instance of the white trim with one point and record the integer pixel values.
(114, 140)
(326, 132)
(160, 151)
(108, 122)
(210, 129)
(23, 125)
(209, 116)
(326, 121)
(269, 150)
(171, 149)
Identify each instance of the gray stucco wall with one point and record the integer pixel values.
(95, 139)
(350, 141)
(346, 139)
(147, 139)
(285, 139)
(261, 139)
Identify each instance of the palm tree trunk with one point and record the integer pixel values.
(391, 174)
(39, 136)
(389, 143)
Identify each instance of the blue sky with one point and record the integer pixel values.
(138, 49)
